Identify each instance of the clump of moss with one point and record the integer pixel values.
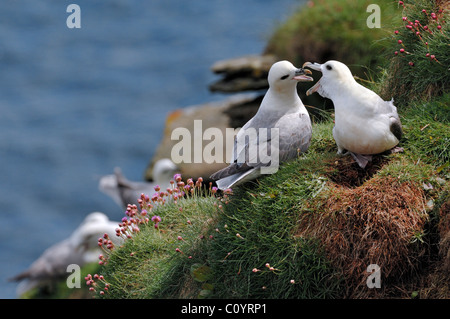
(371, 224)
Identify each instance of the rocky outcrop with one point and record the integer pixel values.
(233, 112)
(247, 73)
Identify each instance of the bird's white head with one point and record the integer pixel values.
(335, 77)
(94, 226)
(95, 217)
(163, 170)
(283, 75)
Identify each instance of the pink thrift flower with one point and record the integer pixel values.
(156, 219)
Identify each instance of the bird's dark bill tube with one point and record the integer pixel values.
(301, 75)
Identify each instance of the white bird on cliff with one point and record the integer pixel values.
(80, 248)
(124, 191)
(365, 124)
(281, 109)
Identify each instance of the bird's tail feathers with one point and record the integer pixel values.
(230, 170)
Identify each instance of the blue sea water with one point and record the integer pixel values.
(75, 103)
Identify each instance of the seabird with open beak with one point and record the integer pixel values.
(365, 124)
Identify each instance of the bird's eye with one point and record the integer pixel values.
(329, 67)
(284, 77)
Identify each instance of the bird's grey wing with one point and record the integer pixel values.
(241, 161)
(49, 267)
(130, 191)
(295, 136)
(232, 169)
(122, 181)
(237, 179)
(132, 195)
(52, 263)
(119, 188)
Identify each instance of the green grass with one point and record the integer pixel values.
(222, 245)
(139, 268)
(257, 225)
(426, 125)
(224, 249)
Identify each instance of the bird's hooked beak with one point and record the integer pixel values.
(316, 67)
(301, 75)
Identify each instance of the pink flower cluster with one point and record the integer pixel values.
(273, 270)
(421, 31)
(94, 285)
(136, 217)
(105, 243)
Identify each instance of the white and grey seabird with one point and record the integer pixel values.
(79, 248)
(281, 109)
(365, 124)
(124, 191)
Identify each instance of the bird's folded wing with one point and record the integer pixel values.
(295, 138)
(246, 149)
